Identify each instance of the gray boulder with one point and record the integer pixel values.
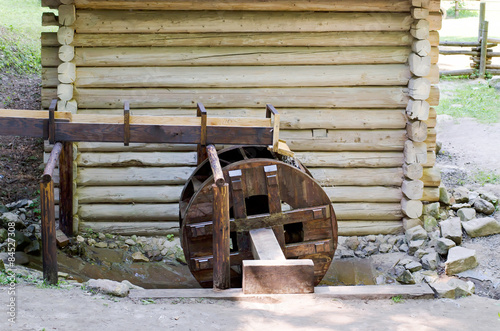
(443, 245)
(495, 83)
(488, 196)
(3, 235)
(460, 259)
(108, 287)
(416, 233)
(466, 214)
(406, 278)
(483, 206)
(352, 242)
(430, 261)
(444, 196)
(415, 245)
(430, 223)
(7, 218)
(452, 229)
(443, 290)
(462, 288)
(461, 194)
(458, 206)
(481, 227)
(432, 209)
(413, 266)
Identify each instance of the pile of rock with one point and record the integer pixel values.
(25, 216)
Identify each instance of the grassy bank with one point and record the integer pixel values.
(20, 30)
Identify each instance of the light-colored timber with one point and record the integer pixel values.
(358, 176)
(364, 228)
(133, 228)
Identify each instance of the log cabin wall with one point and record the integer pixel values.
(340, 73)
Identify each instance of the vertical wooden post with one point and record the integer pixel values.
(484, 50)
(482, 17)
(221, 249)
(47, 200)
(456, 8)
(66, 189)
(201, 151)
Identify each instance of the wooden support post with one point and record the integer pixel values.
(271, 111)
(202, 146)
(270, 272)
(52, 122)
(484, 42)
(66, 189)
(482, 18)
(49, 248)
(221, 249)
(215, 165)
(126, 123)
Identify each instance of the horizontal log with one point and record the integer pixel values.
(346, 140)
(335, 97)
(432, 177)
(358, 176)
(232, 56)
(49, 77)
(350, 159)
(368, 211)
(49, 19)
(50, 57)
(276, 5)
(248, 76)
(254, 39)
(49, 39)
(102, 21)
(129, 194)
(133, 147)
(364, 194)
(133, 228)
(365, 228)
(133, 176)
(133, 159)
(457, 52)
(170, 212)
(459, 72)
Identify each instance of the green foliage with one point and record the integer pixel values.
(170, 237)
(462, 98)
(397, 299)
(462, 13)
(20, 31)
(486, 177)
(148, 301)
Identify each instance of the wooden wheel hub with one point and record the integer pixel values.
(264, 193)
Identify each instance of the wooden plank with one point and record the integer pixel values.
(102, 21)
(133, 228)
(350, 159)
(364, 193)
(135, 159)
(49, 77)
(129, 212)
(368, 211)
(49, 250)
(252, 39)
(358, 176)
(66, 189)
(367, 292)
(49, 39)
(229, 56)
(276, 5)
(330, 97)
(265, 246)
(364, 228)
(278, 277)
(220, 242)
(248, 76)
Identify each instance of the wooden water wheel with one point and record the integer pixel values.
(264, 193)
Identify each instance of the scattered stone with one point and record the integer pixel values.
(495, 83)
(481, 227)
(3, 234)
(139, 257)
(443, 245)
(458, 206)
(490, 197)
(130, 242)
(11, 217)
(134, 238)
(352, 242)
(132, 286)
(33, 248)
(483, 206)
(444, 196)
(371, 249)
(416, 233)
(430, 276)
(432, 209)
(91, 242)
(413, 266)
(101, 244)
(108, 287)
(419, 253)
(406, 278)
(430, 223)
(430, 261)
(452, 229)
(409, 223)
(461, 194)
(460, 259)
(101, 236)
(466, 214)
(403, 248)
(22, 258)
(462, 288)
(371, 238)
(443, 290)
(415, 245)
(2, 266)
(112, 246)
(80, 239)
(384, 248)
(22, 241)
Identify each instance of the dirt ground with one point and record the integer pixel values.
(73, 309)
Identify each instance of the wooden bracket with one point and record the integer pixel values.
(126, 123)
(202, 146)
(52, 122)
(271, 111)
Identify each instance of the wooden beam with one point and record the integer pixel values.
(66, 189)
(221, 249)
(265, 246)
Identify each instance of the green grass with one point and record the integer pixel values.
(455, 38)
(486, 177)
(462, 98)
(20, 31)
